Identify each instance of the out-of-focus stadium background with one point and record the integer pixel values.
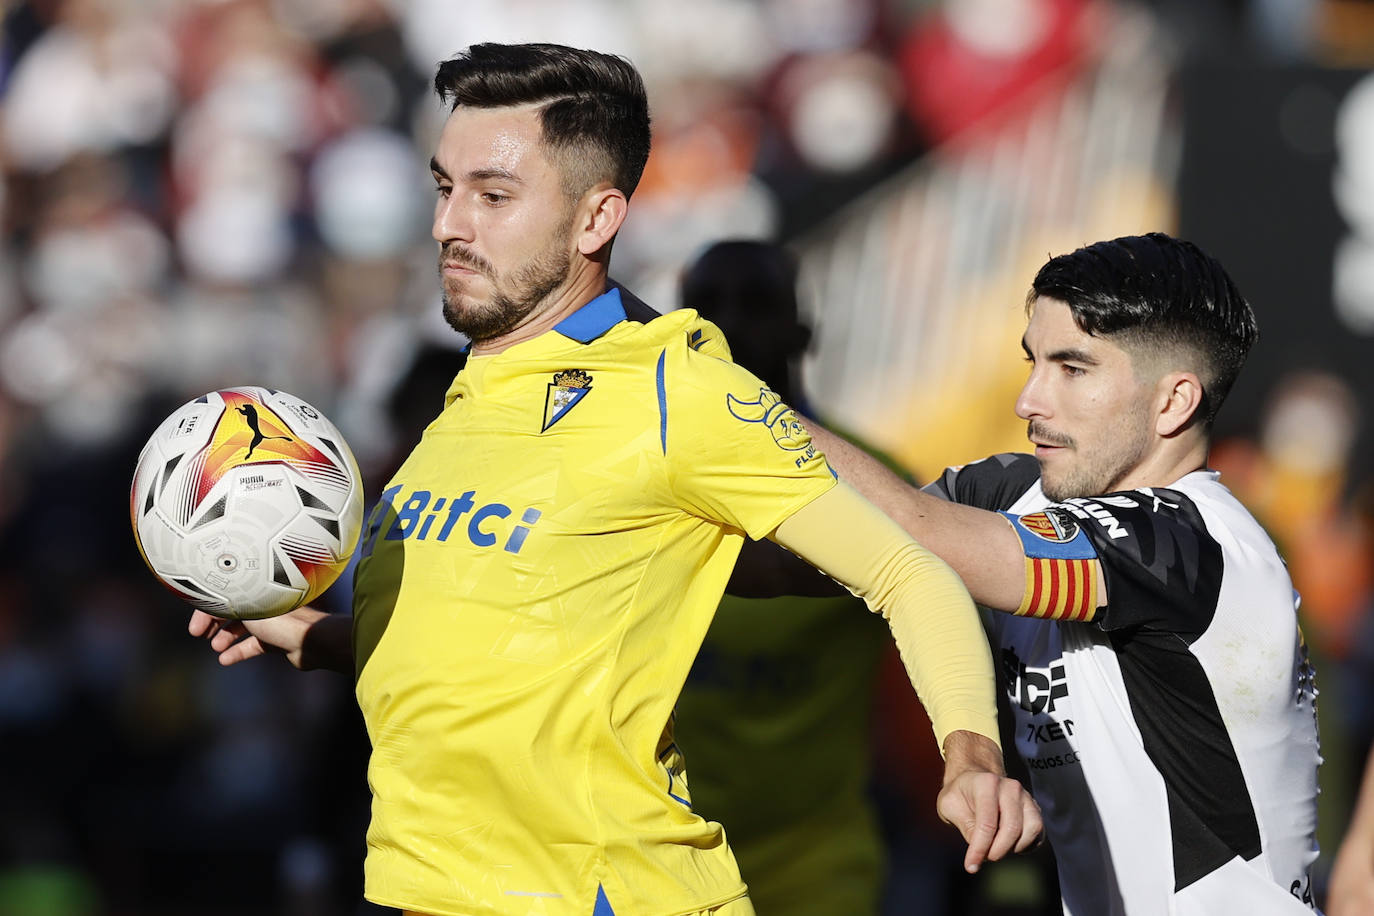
(198, 194)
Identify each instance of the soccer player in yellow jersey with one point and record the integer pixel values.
(539, 573)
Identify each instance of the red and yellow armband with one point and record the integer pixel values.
(1062, 570)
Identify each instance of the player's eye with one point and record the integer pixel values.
(443, 190)
(1073, 370)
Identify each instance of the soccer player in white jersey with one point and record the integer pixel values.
(540, 572)
(1148, 647)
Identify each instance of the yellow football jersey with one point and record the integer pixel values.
(535, 584)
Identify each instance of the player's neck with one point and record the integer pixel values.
(585, 282)
(1169, 462)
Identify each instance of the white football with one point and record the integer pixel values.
(246, 502)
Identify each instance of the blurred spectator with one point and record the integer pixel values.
(99, 79)
(975, 59)
(1296, 478)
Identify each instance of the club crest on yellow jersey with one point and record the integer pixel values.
(568, 388)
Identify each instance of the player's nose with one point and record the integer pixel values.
(1032, 402)
(452, 222)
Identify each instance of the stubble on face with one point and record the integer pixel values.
(511, 301)
(1093, 466)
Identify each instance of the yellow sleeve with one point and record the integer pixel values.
(933, 619)
(735, 452)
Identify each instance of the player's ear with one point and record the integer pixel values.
(600, 216)
(1179, 397)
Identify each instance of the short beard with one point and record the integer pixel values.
(1089, 480)
(1079, 484)
(531, 285)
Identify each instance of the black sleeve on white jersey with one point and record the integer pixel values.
(1162, 568)
(994, 483)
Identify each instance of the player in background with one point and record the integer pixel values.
(542, 568)
(780, 697)
(1148, 645)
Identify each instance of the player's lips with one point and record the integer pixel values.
(1044, 449)
(458, 270)
(1046, 445)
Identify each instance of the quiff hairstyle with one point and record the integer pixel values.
(1157, 295)
(594, 112)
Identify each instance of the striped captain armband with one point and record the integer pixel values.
(1061, 566)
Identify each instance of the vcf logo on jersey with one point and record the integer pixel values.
(423, 516)
(1033, 689)
(778, 418)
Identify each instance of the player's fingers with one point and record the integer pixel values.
(240, 651)
(229, 633)
(201, 624)
(983, 802)
(1032, 825)
(1009, 820)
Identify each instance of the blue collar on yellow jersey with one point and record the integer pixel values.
(607, 310)
(593, 319)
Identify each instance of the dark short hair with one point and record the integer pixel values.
(594, 115)
(1157, 292)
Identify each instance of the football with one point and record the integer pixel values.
(246, 502)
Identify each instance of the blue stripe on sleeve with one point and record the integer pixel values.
(662, 405)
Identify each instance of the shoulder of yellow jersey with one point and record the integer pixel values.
(688, 330)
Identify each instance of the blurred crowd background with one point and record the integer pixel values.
(203, 193)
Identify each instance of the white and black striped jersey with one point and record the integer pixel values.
(1171, 741)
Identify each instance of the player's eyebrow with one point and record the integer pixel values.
(1064, 355)
(496, 173)
(1073, 355)
(490, 173)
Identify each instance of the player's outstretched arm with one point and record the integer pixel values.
(944, 650)
(1351, 891)
(980, 545)
(994, 813)
(309, 638)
